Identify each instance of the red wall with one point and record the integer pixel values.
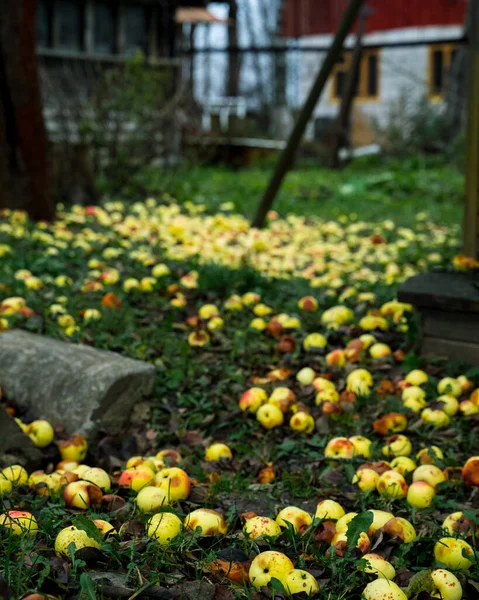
(309, 17)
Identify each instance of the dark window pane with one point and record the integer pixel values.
(105, 28)
(136, 30)
(372, 75)
(44, 24)
(339, 84)
(70, 24)
(437, 72)
(454, 54)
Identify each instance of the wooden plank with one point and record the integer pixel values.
(472, 169)
(451, 350)
(458, 326)
(456, 292)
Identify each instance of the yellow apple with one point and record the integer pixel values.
(339, 447)
(305, 376)
(366, 479)
(447, 585)
(41, 433)
(136, 478)
(164, 527)
(383, 589)
(78, 537)
(403, 465)
(16, 474)
(151, 498)
(430, 474)
(175, 482)
(20, 522)
(252, 399)
(417, 377)
(379, 566)
(298, 581)
(420, 494)
(453, 553)
(99, 477)
(449, 385)
(362, 445)
(218, 451)
(397, 445)
(302, 422)
(270, 416)
(267, 565)
(329, 509)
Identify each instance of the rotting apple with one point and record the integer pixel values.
(261, 526)
(392, 484)
(75, 448)
(297, 517)
(82, 494)
(397, 527)
(208, 521)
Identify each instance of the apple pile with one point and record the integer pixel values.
(159, 487)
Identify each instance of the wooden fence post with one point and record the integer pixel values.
(471, 212)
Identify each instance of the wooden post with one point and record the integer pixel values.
(24, 167)
(343, 122)
(289, 153)
(471, 212)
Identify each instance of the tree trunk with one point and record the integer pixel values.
(24, 176)
(234, 56)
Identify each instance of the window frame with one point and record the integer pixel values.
(448, 49)
(87, 51)
(362, 95)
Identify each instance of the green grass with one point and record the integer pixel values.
(374, 189)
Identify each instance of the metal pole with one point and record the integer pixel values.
(287, 157)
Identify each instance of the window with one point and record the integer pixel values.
(136, 30)
(44, 24)
(69, 23)
(368, 82)
(441, 59)
(105, 29)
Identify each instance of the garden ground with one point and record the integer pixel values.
(219, 309)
